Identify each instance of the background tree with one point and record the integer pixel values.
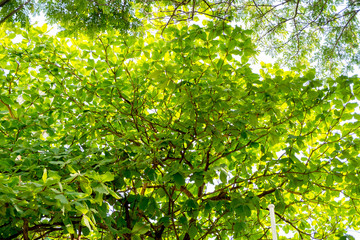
(324, 33)
(88, 16)
(170, 136)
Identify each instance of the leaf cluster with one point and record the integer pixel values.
(170, 136)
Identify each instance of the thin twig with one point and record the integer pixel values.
(343, 29)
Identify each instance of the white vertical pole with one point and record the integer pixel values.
(273, 223)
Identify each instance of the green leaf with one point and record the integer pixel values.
(329, 180)
(6, 100)
(68, 225)
(140, 228)
(278, 195)
(165, 221)
(112, 193)
(86, 187)
(193, 231)
(107, 177)
(71, 169)
(62, 199)
(44, 176)
(191, 203)
(179, 179)
(86, 221)
(223, 176)
(101, 188)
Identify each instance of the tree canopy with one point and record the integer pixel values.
(324, 33)
(88, 16)
(170, 135)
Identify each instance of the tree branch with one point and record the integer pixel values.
(343, 29)
(13, 12)
(9, 109)
(2, 3)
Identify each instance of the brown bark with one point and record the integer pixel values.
(26, 229)
(2, 3)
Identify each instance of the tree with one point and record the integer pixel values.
(170, 136)
(324, 33)
(88, 16)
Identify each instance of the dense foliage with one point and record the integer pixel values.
(170, 136)
(88, 16)
(324, 32)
